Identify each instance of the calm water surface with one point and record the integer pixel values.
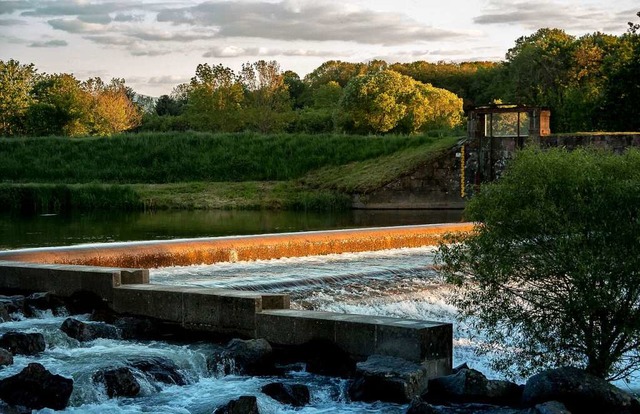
(59, 230)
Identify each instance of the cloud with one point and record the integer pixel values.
(548, 13)
(49, 43)
(74, 8)
(168, 36)
(234, 51)
(76, 26)
(8, 7)
(12, 22)
(319, 20)
(124, 17)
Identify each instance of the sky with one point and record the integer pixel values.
(157, 44)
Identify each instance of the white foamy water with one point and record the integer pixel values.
(400, 283)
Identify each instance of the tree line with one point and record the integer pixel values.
(591, 83)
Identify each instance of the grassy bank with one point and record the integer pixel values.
(203, 171)
(187, 157)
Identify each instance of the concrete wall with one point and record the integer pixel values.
(441, 183)
(249, 314)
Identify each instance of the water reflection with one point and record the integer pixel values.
(59, 230)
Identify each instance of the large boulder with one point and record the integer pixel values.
(6, 358)
(41, 301)
(551, 407)
(36, 388)
(118, 382)
(468, 385)
(385, 378)
(88, 331)
(159, 369)
(247, 404)
(579, 392)
(296, 395)
(23, 343)
(250, 357)
(12, 304)
(422, 407)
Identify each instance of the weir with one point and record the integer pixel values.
(106, 270)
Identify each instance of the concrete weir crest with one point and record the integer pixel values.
(105, 270)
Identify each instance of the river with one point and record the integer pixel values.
(18, 231)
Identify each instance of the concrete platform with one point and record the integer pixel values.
(363, 335)
(239, 313)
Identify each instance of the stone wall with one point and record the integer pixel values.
(443, 184)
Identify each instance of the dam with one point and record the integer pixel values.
(119, 274)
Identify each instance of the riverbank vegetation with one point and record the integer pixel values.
(552, 271)
(589, 82)
(204, 171)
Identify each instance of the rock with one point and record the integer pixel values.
(23, 343)
(42, 301)
(159, 369)
(12, 304)
(579, 392)
(136, 328)
(418, 406)
(551, 407)
(252, 357)
(4, 314)
(6, 358)
(421, 407)
(460, 367)
(384, 378)
(36, 388)
(469, 385)
(246, 404)
(118, 382)
(83, 331)
(296, 395)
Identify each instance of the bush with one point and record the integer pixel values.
(552, 270)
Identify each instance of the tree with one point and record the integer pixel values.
(268, 106)
(16, 85)
(551, 271)
(63, 107)
(387, 101)
(215, 99)
(539, 66)
(112, 107)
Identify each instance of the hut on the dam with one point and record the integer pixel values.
(495, 132)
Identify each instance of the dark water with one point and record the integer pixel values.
(58, 230)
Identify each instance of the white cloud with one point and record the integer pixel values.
(49, 43)
(320, 20)
(551, 13)
(235, 51)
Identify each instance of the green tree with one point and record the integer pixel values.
(63, 107)
(215, 99)
(539, 69)
(16, 85)
(551, 272)
(387, 101)
(268, 107)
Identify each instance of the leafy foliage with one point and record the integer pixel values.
(552, 268)
(388, 101)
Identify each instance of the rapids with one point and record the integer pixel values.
(401, 283)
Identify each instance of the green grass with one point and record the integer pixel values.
(55, 198)
(368, 175)
(203, 171)
(187, 157)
